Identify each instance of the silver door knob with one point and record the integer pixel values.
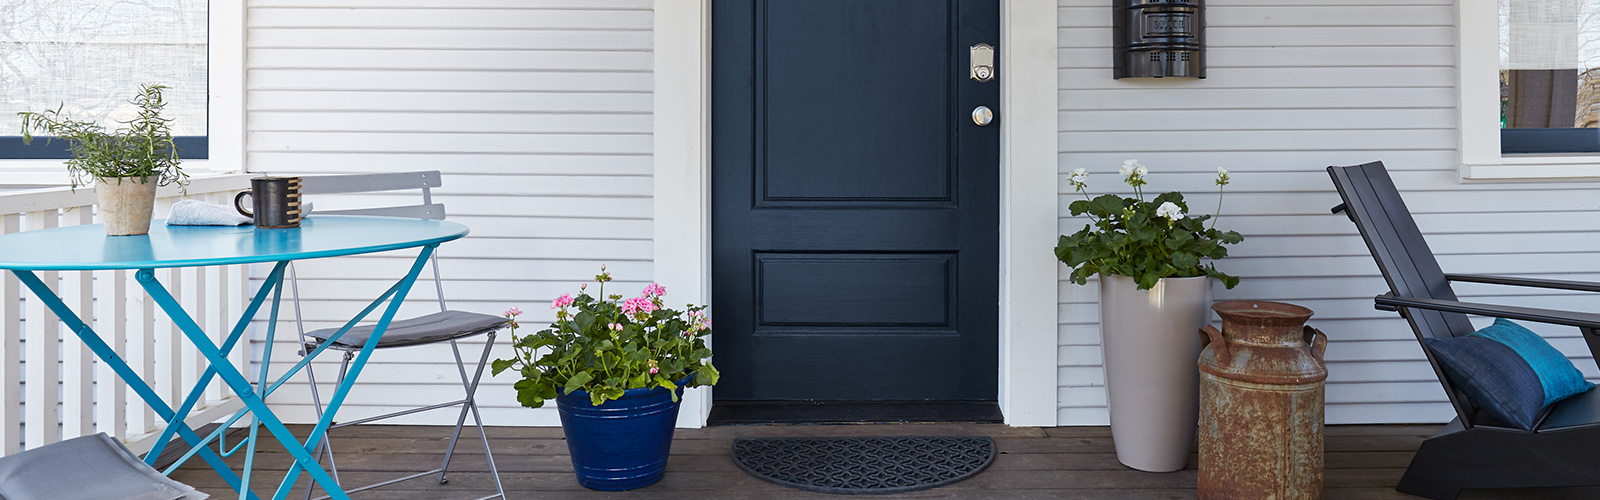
(982, 116)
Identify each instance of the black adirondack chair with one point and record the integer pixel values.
(1474, 450)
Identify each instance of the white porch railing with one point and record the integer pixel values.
(52, 388)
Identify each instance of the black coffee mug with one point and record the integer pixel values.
(276, 201)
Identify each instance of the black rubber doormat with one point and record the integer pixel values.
(864, 465)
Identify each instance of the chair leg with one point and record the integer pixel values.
(325, 447)
(471, 404)
(466, 404)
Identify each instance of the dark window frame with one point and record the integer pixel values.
(1549, 140)
(190, 147)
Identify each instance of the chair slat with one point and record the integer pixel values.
(366, 183)
(432, 211)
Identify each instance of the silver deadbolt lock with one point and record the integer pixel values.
(981, 58)
(982, 116)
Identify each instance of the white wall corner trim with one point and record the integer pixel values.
(225, 67)
(1028, 150)
(682, 190)
(682, 246)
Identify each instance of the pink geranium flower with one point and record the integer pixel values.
(563, 301)
(638, 305)
(655, 290)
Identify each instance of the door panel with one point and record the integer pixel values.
(855, 203)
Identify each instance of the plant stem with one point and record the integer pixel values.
(1214, 218)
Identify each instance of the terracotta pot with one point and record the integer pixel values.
(1149, 349)
(1261, 388)
(126, 204)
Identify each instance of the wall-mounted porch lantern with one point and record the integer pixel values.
(1159, 38)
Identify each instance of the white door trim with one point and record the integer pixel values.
(1027, 118)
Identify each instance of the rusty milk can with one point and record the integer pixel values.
(1261, 395)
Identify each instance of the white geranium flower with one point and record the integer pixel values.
(1222, 172)
(1127, 167)
(1222, 177)
(1170, 211)
(1079, 179)
(1141, 171)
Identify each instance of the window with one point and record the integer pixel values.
(90, 57)
(1549, 88)
(1530, 88)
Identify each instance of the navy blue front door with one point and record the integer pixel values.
(855, 201)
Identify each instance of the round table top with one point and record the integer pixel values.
(87, 247)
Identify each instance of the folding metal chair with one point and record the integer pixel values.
(86, 468)
(444, 326)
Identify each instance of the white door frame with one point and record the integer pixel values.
(1028, 128)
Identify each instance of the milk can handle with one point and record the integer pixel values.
(1317, 340)
(1209, 335)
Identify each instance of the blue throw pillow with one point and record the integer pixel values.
(1508, 371)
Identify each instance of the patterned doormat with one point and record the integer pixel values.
(864, 466)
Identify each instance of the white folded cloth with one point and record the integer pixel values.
(199, 213)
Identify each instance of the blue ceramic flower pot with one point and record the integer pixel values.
(622, 444)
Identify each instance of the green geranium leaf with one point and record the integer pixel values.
(577, 381)
(501, 365)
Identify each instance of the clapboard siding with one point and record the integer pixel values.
(537, 112)
(1295, 86)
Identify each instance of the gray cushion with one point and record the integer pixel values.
(86, 468)
(436, 327)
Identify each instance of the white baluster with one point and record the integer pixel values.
(41, 380)
(240, 292)
(111, 322)
(141, 352)
(77, 362)
(193, 300)
(10, 351)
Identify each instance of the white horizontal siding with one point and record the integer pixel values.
(538, 112)
(1294, 86)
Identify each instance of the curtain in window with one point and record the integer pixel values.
(91, 56)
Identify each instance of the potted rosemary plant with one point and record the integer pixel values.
(616, 369)
(126, 165)
(1155, 262)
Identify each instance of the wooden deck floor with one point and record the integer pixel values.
(1363, 462)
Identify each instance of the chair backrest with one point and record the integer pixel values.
(367, 183)
(1403, 256)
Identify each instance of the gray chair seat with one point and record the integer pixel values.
(86, 468)
(436, 327)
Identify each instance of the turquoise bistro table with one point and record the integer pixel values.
(87, 248)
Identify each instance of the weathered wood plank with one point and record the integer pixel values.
(1363, 463)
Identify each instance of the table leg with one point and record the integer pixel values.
(350, 379)
(237, 382)
(290, 373)
(274, 282)
(109, 356)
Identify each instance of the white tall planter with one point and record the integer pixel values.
(126, 204)
(1150, 344)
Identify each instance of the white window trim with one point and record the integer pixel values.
(1478, 49)
(1027, 295)
(225, 121)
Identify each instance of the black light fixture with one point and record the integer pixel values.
(1159, 38)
